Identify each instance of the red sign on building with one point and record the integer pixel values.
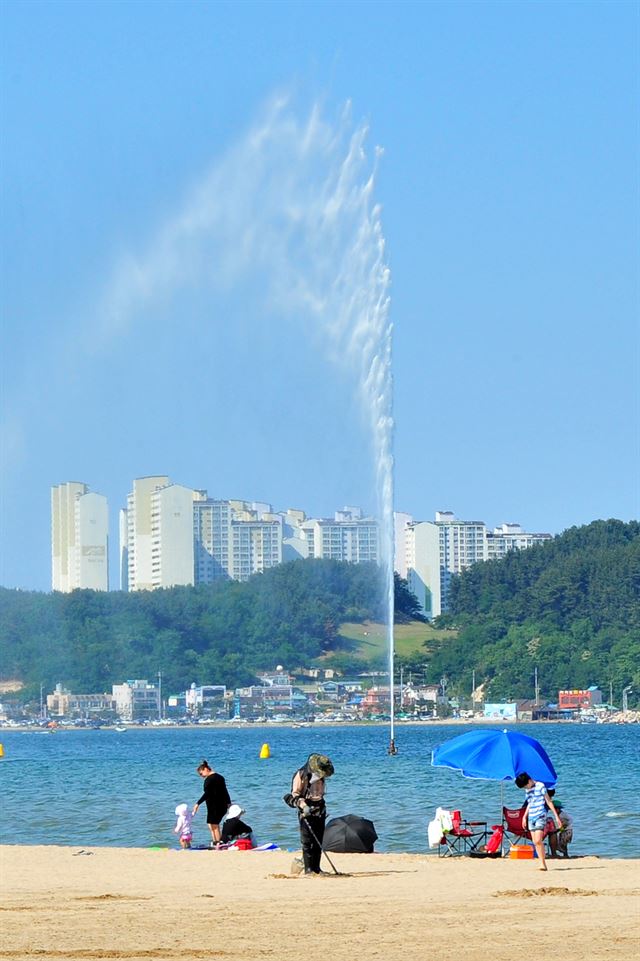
(575, 700)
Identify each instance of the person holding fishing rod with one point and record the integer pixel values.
(307, 797)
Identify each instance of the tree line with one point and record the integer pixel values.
(569, 607)
(220, 633)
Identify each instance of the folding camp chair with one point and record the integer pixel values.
(465, 837)
(513, 830)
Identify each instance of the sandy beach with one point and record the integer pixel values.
(135, 904)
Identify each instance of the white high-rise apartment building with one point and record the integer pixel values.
(79, 538)
(432, 552)
(212, 540)
(172, 535)
(422, 564)
(156, 531)
(139, 539)
(124, 549)
(462, 543)
(511, 537)
(348, 537)
(234, 539)
(256, 545)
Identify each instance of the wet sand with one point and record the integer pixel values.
(135, 904)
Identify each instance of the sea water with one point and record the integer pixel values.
(120, 789)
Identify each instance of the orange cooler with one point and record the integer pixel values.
(522, 852)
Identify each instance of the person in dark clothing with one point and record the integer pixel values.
(307, 797)
(217, 799)
(233, 827)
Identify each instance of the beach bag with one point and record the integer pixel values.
(495, 841)
(242, 844)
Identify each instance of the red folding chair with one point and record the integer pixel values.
(514, 832)
(465, 837)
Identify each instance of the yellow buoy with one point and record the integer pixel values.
(265, 752)
(1, 750)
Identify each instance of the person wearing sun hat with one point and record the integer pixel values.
(307, 797)
(233, 828)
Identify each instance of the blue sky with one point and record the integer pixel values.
(509, 198)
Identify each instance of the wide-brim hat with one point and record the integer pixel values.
(235, 811)
(321, 765)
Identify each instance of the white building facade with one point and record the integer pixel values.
(136, 699)
(172, 561)
(139, 546)
(511, 537)
(79, 538)
(433, 552)
(348, 537)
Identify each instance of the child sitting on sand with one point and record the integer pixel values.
(183, 826)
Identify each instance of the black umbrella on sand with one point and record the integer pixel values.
(350, 835)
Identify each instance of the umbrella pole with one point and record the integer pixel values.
(502, 818)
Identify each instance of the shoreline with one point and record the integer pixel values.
(69, 903)
(428, 854)
(296, 725)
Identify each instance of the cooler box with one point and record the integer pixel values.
(522, 852)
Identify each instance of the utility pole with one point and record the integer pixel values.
(473, 691)
(536, 684)
(610, 693)
(41, 702)
(159, 695)
(625, 698)
(401, 688)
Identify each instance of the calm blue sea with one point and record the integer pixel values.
(105, 788)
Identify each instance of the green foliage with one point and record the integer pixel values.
(223, 633)
(570, 607)
(407, 606)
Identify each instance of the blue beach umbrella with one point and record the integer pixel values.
(496, 755)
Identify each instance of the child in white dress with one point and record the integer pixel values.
(183, 826)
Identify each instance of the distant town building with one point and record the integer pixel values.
(505, 712)
(430, 553)
(136, 700)
(577, 700)
(62, 703)
(205, 699)
(79, 538)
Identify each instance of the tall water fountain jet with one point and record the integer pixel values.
(291, 205)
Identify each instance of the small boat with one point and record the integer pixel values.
(120, 729)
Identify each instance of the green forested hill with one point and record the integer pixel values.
(222, 633)
(570, 607)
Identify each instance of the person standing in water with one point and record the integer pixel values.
(307, 797)
(217, 799)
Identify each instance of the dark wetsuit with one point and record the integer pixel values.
(216, 796)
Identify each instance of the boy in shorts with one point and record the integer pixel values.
(535, 813)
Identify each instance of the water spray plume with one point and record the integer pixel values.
(290, 205)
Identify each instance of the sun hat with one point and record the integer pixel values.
(321, 765)
(235, 811)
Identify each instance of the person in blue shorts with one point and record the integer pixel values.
(534, 820)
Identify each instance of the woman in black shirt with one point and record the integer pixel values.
(217, 798)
